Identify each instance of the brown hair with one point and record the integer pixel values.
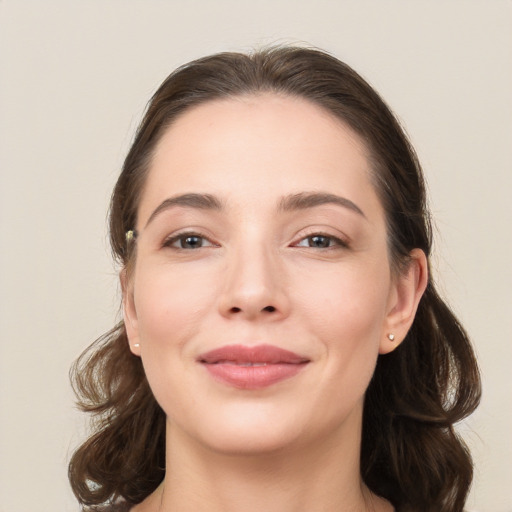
(410, 452)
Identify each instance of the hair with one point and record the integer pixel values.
(410, 453)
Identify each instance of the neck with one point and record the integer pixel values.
(322, 477)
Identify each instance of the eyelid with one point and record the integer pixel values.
(174, 237)
(340, 241)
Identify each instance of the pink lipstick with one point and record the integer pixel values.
(252, 367)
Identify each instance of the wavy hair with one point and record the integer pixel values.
(410, 453)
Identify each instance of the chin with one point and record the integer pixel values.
(258, 430)
(244, 431)
(249, 443)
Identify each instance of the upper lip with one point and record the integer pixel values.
(240, 354)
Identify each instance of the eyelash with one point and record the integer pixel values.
(335, 241)
(169, 242)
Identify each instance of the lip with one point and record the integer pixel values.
(252, 367)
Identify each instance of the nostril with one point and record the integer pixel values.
(267, 309)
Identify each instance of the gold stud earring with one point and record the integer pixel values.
(391, 337)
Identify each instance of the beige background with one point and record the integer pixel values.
(75, 77)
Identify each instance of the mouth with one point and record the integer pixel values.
(252, 367)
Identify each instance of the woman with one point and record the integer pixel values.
(283, 347)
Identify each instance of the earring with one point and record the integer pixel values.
(391, 337)
(136, 345)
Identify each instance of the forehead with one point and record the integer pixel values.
(250, 148)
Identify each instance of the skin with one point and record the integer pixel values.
(254, 274)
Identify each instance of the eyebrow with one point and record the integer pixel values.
(293, 202)
(192, 200)
(306, 200)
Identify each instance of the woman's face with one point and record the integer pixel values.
(261, 294)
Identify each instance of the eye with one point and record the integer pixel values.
(321, 241)
(187, 241)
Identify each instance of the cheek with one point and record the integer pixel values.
(346, 311)
(350, 300)
(350, 335)
(170, 305)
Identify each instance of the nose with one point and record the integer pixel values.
(254, 287)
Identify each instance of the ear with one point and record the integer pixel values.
(130, 314)
(405, 296)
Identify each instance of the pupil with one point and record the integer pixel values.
(319, 241)
(192, 242)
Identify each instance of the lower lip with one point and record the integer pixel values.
(253, 377)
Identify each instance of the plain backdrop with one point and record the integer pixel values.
(75, 77)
